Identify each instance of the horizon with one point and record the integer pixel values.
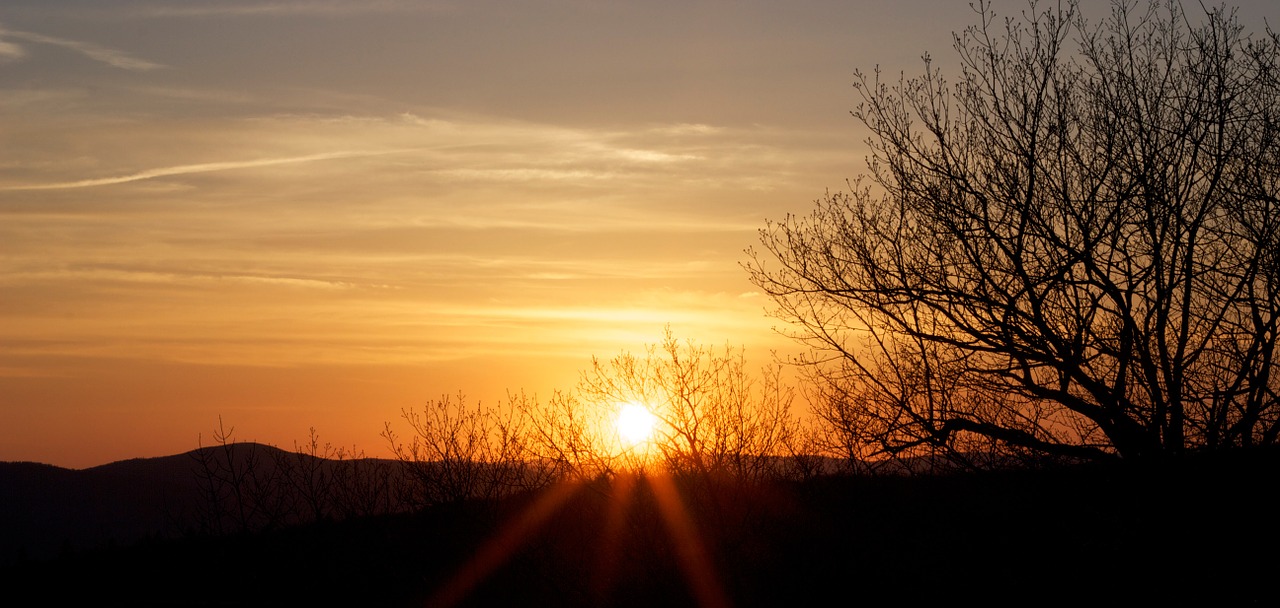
(293, 215)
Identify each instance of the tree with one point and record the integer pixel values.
(715, 418)
(1072, 250)
(456, 453)
(576, 439)
(243, 485)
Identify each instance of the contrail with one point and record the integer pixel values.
(198, 168)
(111, 57)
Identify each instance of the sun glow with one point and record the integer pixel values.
(635, 423)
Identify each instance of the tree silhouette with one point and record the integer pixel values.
(714, 416)
(233, 481)
(1074, 249)
(456, 452)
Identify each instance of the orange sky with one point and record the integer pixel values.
(316, 213)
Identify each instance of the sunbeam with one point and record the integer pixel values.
(503, 545)
(691, 554)
(690, 548)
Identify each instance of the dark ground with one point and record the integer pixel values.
(1203, 531)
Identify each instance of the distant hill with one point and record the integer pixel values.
(46, 511)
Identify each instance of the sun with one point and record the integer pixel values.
(635, 423)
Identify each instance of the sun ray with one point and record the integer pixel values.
(502, 545)
(692, 557)
(623, 491)
(691, 551)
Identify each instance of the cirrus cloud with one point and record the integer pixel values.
(112, 57)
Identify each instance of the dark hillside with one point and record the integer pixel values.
(1197, 531)
(47, 511)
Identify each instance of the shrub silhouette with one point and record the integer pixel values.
(457, 452)
(713, 417)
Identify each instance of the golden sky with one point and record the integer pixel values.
(316, 213)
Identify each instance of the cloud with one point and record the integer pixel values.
(199, 168)
(10, 51)
(142, 275)
(688, 129)
(111, 57)
(651, 156)
(313, 7)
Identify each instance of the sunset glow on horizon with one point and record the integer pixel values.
(297, 214)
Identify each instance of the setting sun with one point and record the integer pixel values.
(635, 423)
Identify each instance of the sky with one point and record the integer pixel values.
(295, 214)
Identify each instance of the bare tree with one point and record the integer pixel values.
(241, 488)
(362, 486)
(808, 449)
(1072, 250)
(457, 452)
(573, 439)
(715, 416)
(308, 477)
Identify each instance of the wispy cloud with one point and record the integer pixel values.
(111, 57)
(139, 275)
(200, 168)
(10, 51)
(312, 7)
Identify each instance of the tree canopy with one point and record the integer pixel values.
(1072, 249)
